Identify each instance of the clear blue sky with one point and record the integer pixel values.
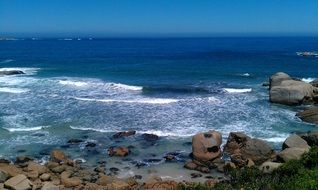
(158, 17)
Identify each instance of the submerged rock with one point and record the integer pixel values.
(124, 134)
(150, 137)
(74, 141)
(118, 151)
(288, 91)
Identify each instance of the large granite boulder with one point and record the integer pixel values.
(206, 147)
(242, 146)
(288, 91)
(310, 115)
(293, 153)
(18, 182)
(295, 141)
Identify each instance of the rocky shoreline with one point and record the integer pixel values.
(208, 155)
(63, 173)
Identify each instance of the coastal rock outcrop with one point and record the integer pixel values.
(310, 115)
(11, 72)
(244, 149)
(295, 141)
(288, 91)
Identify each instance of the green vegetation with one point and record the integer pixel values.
(294, 175)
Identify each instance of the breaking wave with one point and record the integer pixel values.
(141, 101)
(237, 90)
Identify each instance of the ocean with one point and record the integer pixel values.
(172, 87)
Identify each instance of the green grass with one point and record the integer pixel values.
(294, 175)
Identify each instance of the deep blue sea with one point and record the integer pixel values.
(172, 87)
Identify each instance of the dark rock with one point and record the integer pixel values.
(131, 147)
(21, 151)
(90, 144)
(150, 137)
(311, 138)
(141, 164)
(74, 141)
(124, 134)
(195, 175)
(265, 84)
(4, 161)
(113, 169)
(138, 176)
(65, 146)
(23, 159)
(12, 72)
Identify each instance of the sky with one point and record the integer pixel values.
(158, 17)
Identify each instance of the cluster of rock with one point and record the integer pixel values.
(245, 151)
(286, 90)
(65, 174)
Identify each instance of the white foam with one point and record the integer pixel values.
(213, 100)
(73, 83)
(25, 129)
(13, 90)
(245, 75)
(141, 101)
(275, 139)
(237, 90)
(308, 80)
(91, 129)
(167, 133)
(82, 160)
(125, 87)
(7, 61)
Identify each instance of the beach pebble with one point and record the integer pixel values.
(45, 177)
